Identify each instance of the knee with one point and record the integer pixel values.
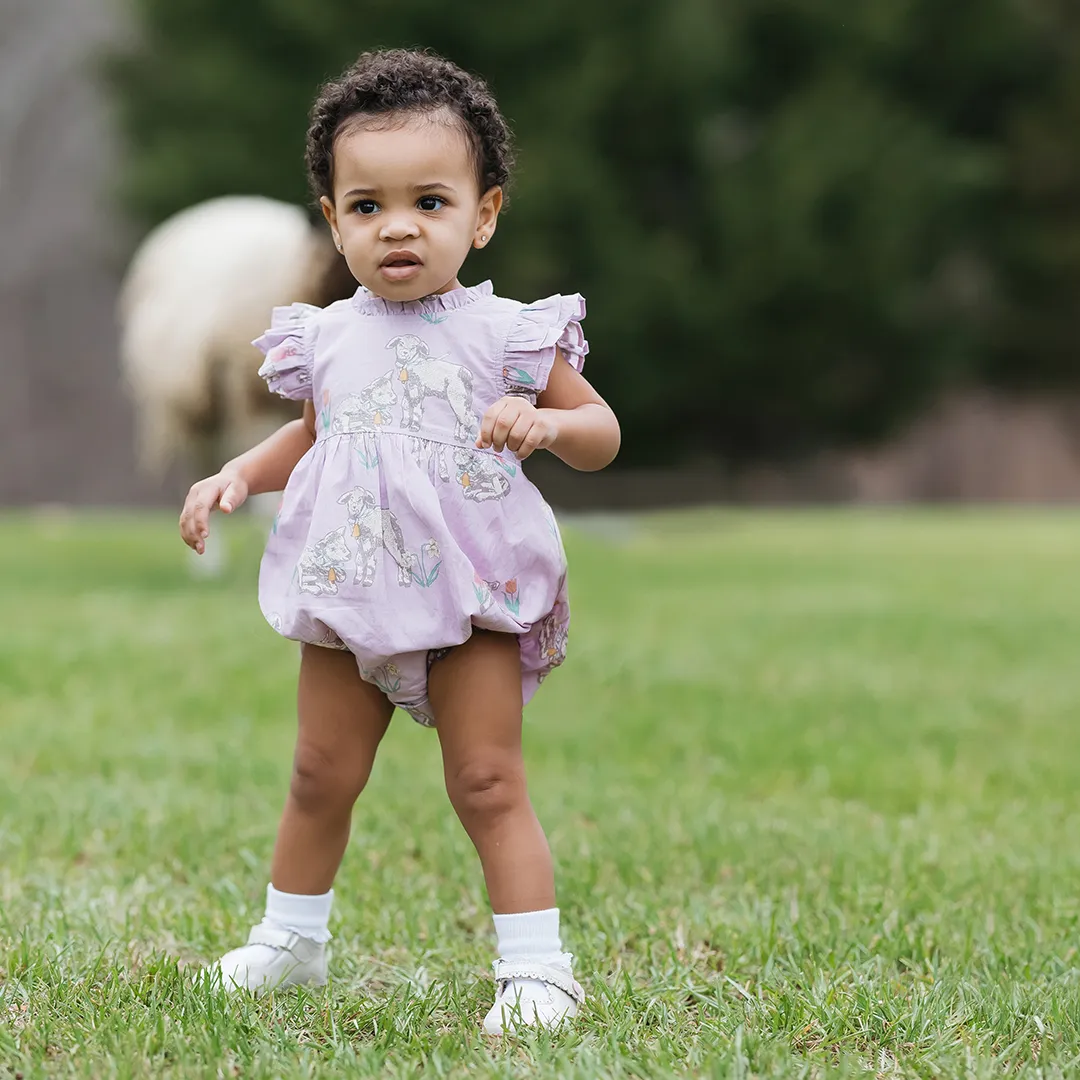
(319, 785)
(487, 788)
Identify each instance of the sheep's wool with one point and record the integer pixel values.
(396, 535)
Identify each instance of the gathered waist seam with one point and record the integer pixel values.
(405, 435)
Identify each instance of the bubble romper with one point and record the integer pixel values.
(396, 536)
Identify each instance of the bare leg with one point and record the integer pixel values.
(342, 719)
(475, 693)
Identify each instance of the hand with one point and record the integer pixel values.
(226, 490)
(514, 422)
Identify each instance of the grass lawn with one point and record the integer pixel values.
(812, 782)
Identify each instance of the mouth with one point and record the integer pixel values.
(401, 265)
(402, 258)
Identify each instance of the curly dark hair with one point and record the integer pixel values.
(401, 81)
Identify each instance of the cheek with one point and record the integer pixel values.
(459, 229)
(444, 236)
(356, 227)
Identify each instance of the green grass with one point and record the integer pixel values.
(812, 783)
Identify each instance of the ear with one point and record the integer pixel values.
(330, 213)
(487, 216)
(393, 344)
(345, 497)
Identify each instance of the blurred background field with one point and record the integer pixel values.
(830, 251)
(811, 780)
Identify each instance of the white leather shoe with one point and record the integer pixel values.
(532, 995)
(273, 958)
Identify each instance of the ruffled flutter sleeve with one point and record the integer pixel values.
(289, 348)
(538, 331)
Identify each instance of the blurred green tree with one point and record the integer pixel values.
(795, 221)
(1038, 226)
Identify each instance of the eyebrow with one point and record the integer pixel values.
(417, 188)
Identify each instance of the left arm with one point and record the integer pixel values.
(570, 419)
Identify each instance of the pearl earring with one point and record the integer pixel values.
(483, 239)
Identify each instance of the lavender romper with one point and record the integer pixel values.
(395, 535)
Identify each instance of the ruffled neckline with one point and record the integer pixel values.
(367, 303)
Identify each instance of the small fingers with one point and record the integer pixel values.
(518, 433)
(187, 523)
(201, 516)
(510, 415)
(190, 536)
(487, 425)
(531, 442)
(194, 526)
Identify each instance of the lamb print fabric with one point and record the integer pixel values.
(396, 535)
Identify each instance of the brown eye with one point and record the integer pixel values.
(365, 207)
(431, 202)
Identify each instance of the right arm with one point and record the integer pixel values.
(266, 467)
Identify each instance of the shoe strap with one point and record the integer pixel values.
(278, 937)
(559, 977)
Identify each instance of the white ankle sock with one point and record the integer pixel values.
(308, 916)
(530, 935)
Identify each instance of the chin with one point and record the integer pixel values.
(404, 291)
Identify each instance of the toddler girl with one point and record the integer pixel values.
(411, 556)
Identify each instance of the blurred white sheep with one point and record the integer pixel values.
(199, 288)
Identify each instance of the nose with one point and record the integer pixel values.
(399, 226)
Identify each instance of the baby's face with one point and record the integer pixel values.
(407, 206)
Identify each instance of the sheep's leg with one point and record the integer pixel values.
(367, 546)
(358, 575)
(460, 402)
(415, 404)
(394, 541)
(461, 433)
